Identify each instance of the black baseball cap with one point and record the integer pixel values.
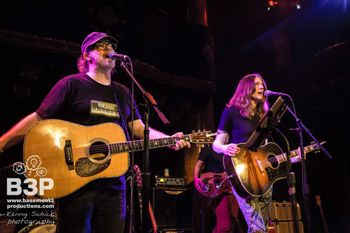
(94, 37)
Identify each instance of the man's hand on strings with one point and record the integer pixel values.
(180, 143)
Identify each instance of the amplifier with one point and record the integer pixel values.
(282, 211)
(169, 181)
(172, 208)
(281, 218)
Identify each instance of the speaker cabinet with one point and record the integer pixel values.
(282, 211)
(172, 208)
(282, 219)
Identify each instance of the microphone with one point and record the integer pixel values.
(270, 93)
(117, 56)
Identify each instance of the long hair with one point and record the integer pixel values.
(242, 96)
(82, 65)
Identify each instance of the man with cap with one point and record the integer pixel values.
(90, 97)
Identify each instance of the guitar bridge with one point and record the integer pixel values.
(68, 154)
(260, 165)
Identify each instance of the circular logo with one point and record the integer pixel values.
(19, 168)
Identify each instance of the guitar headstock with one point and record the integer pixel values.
(202, 137)
(138, 176)
(313, 147)
(310, 148)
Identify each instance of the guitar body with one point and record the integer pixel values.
(73, 155)
(46, 147)
(248, 176)
(215, 184)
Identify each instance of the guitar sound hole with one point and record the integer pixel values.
(273, 161)
(98, 150)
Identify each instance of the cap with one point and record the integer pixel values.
(94, 37)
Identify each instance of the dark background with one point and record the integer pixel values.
(192, 69)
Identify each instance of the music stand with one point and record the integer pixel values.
(269, 120)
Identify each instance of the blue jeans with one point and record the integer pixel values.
(255, 211)
(92, 209)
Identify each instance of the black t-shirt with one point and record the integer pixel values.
(212, 160)
(238, 127)
(79, 99)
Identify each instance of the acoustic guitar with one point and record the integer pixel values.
(252, 173)
(74, 155)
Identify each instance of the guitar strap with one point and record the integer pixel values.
(118, 96)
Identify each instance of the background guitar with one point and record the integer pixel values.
(214, 184)
(323, 218)
(138, 177)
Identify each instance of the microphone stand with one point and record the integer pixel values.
(291, 178)
(266, 124)
(131, 228)
(149, 102)
(291, 184)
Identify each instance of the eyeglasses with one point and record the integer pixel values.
(103, 45)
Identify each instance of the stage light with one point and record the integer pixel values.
(283, 4)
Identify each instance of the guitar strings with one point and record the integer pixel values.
(125, 146)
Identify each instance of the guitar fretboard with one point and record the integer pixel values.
(138, 145)
(283, 157)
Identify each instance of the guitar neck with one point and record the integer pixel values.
(294, 153)
(138, 145)
(139, 196)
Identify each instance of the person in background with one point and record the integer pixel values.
(209, 166)
(99, 206)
